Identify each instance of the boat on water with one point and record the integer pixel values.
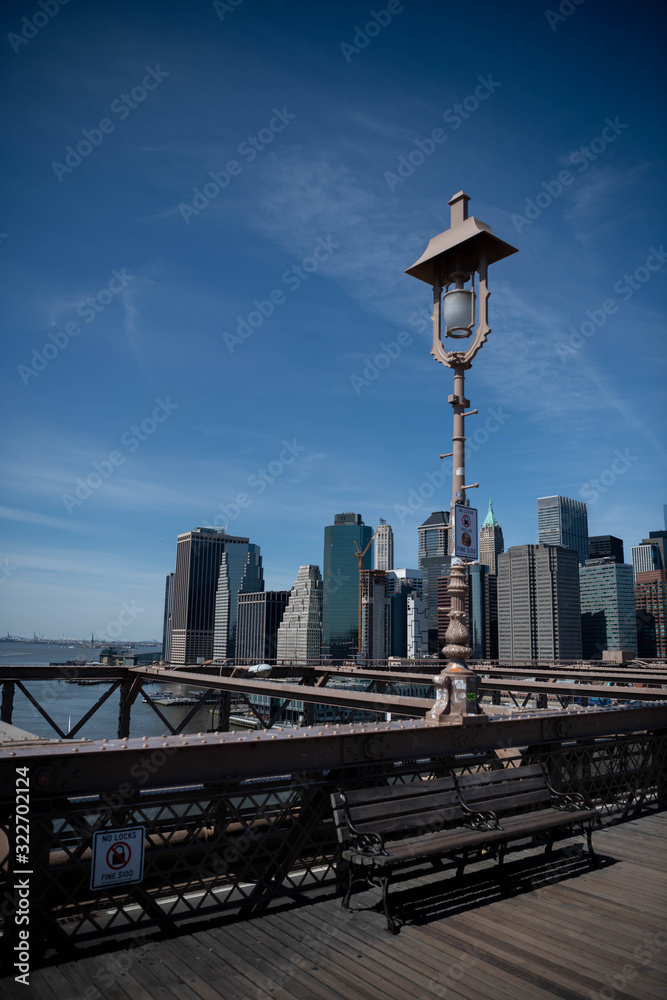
(168, 698)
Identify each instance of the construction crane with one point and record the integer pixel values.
(360, 556)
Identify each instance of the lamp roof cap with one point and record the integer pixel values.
(460, 247)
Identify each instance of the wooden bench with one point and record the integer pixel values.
(386, 827)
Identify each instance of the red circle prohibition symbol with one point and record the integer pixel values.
(118, 855)
(466, 521)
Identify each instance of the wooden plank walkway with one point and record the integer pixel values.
(568, 932)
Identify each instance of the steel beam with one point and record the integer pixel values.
(117, 768)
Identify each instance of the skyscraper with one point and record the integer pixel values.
(417, 625)
(434, 562)
(384, 546)
(259, 617)
(491, 542)
(651, 555)
(561, 521)
(198, 557)
(607, 608)
(168, 612)
(400, 584)
(605, 547)
(539, 610)
(375, 615)
(340, 584)
(300, 634)
(240, 573)
(651, 608)
(483, 596)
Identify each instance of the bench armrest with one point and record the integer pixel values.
(484, 819)
(564, 800)
(478, 819)
(362, 843)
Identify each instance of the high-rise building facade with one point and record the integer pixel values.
(539, 610)
(240, 573)
(300, 634)
(651, 609)
(375, 615)
(340, 584)
(434, 562)
(608, 617)
(396, 578)
(483, 604)
(198, 557)
(647, 557)
(259, 618)
(491, 542)
(400, 584)
(167, 620)
(564, 522)
(417, 625)
(606, 547)
(384, 546)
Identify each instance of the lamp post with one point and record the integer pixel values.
(453, 260)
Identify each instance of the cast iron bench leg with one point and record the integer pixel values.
(392, 926)
(589, 840)
(461, 865)
(505, 887)
(345, 902)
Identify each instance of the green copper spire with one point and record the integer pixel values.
(490, 519)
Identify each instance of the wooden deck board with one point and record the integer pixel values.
(568, 932)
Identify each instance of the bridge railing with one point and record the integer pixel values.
(232, 828)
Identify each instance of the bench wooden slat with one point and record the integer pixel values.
(509, 802)
(426, 821)
(403, 807)
(388, 793)
(502, 774)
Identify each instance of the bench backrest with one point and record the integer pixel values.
(505, 790)
(400, 810)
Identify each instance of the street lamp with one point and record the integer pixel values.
(452, 261)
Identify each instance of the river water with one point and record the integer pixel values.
(67, 703)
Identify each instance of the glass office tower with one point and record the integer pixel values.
(561, 521)
(340, 584)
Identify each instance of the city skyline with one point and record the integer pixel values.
(204, 256)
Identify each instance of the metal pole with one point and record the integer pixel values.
(457, 635)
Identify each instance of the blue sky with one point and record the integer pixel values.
(199, 358)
